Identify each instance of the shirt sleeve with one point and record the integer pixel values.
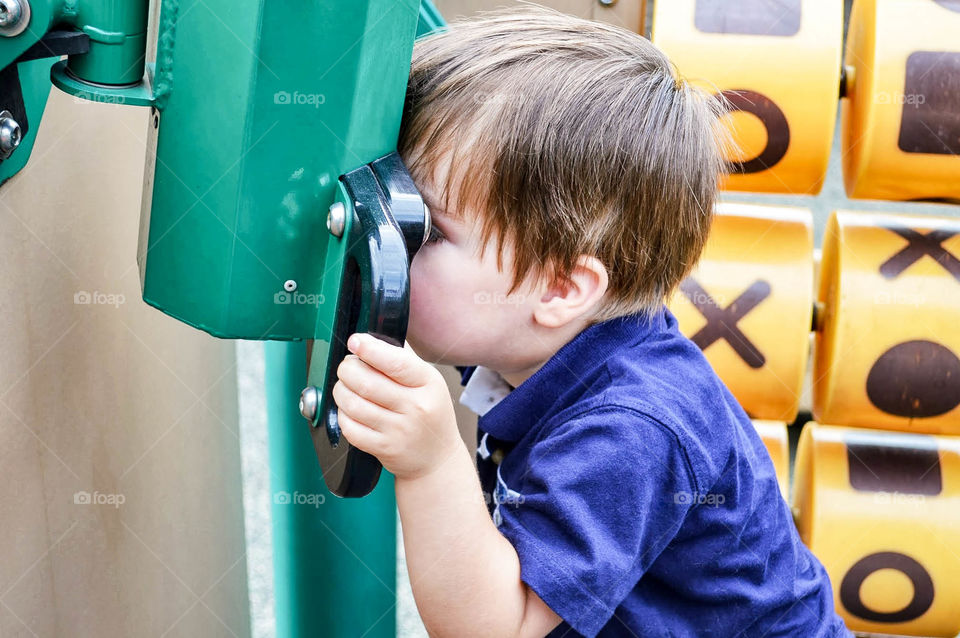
(603, 494)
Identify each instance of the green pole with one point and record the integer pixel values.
(334, 559)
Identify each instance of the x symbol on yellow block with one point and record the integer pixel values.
(920, 245)
(722, 322)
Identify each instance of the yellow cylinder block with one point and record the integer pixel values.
(881, 510)
(888, 328)
(901, 121)
(748, 304)
(774, 437)
(778, 64)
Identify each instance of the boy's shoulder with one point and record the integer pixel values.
(619, 379)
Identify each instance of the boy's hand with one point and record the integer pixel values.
(395, 406)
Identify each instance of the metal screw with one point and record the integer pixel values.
(10, 12)
(336, 218)
(289, 285)
(9, 133)
(608, 3)
(427, 222)
(14, 17)
(310, 403)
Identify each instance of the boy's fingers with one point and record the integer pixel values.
(359, 435)
(371, 384)
(400, 364)
(363, 410)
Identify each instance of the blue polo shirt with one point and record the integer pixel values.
(638, 495)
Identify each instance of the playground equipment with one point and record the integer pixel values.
(753, 292)
(275, 208)
(897, 86)
(873, 492)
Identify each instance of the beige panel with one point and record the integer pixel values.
(628, 14)
(111, 399)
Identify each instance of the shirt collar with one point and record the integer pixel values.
(559, 381)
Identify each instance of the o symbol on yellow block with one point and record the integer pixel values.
(772, 118)
(922, 587)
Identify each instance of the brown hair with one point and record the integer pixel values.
(567, 137)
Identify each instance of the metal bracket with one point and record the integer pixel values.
(386, 223)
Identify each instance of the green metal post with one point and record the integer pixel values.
(118, 39)
(334, 559)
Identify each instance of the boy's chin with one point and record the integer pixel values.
(424, 352)
(432, 355)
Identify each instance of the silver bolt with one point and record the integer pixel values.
(289, 285)
(14, 17)
(9, 133)
(428, 222)
(310, 402)
(10, 13)
(608, 3)
(336, 218)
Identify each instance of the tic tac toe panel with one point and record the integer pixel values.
(748, 304)
(777, 65)
(881, 510)
(887, 345)
(901, 121)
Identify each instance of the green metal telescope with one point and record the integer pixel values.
(274, 208)
(274, 205)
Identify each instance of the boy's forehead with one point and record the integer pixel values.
(435, 181)
(435, 201)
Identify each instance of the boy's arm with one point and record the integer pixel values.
(465, 575)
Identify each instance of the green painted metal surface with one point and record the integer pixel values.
(118, 39)
(117, 30)
(334, 559)
(430, 19)
(260, 111)
(35, 85)
(34, 79)
(254, 121)
(43, 15)
(334, 565)
(139, 94)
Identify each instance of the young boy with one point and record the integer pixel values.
(622, 491)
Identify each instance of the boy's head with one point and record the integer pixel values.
(571, 170)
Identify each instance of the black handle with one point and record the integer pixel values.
(388, 227)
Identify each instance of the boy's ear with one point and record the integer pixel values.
(566, 300)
